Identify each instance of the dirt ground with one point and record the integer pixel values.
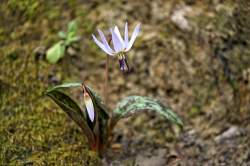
(193, 56)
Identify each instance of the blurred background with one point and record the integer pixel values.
(193, 56)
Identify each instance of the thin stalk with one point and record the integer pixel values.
(106, 96)
(106, 88)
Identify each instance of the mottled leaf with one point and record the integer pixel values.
(135, 104)
(99, 101)
(70, 107)
(100, 126)
(66, 85)
(93, 94)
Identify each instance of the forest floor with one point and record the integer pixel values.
(189, 56)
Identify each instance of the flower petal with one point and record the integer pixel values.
(101, 45)
(126, 35)
(104, 41)
(118, 34)
(90, 107)
(133, 37)
(118, 45)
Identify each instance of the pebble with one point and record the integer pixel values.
(233, 131)
(179, 19)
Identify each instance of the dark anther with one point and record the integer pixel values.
(124, 65)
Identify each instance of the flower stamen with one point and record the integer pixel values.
(123, 63)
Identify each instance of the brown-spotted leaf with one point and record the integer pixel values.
(70, 107)
(135, 104)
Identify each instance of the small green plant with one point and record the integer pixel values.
(96, 119)
(58, 50)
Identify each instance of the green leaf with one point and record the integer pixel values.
(70, 107)
(135, 104)
(62, 35)
(54, 53)
(72, 29)
(66, 85)
(71, 40)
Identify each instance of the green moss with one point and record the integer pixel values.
(242, 21)
(29, 8)
(33, 130)
(194, 111)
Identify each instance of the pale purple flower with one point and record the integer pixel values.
(120, 45)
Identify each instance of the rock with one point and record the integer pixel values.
(233, 131)
(179, 19)
(157, 160)
(71, 51)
